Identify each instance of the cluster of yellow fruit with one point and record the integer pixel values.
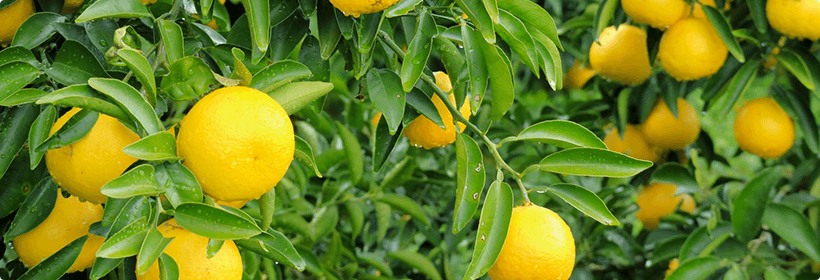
(660, 131)
(237, 141)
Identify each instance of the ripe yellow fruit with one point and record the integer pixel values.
(70, 6)
(357, 7)
(621, 55)
(691, 49)
(657, 200)
(212, 24)
(698, 10)
(578, 75)
(673, 265)
(238, 142)
(764, 129)
(13, 16)
(659, 14)
(188, 251)
(235, 204)
(376, 118)
(795, 18)
(661, 129)
(68, 221)
(84, 167)
(422, 132)
(539, 245)
(632, 144)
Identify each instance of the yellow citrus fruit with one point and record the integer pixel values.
(795, 18)
(661, 128)
(632, 144)
(70, 6)
(578, 75)
(764, 129)
(659, 14)
(422, 132)
(698, 9)
(621, 55)
(539, 245)
(84, 167)
(657, 200)
(235, 204)
(238, 142)
(357, 7)
(188, 251)
(68, 221)
(672, 266)
(376, 118)
(145, 2)
(691, 49)
(212, 24)
(13, 16)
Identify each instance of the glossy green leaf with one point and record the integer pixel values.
(36, 208)
(178, 183)
(240, 71)
(606, 11)
(584, 200)
(188, 78)
(142, 70)
(696, 269)
(534, 16)
(72, 131)
(126, 212)
(676, 174)
(39, 131)
(724, 29)
(424, 105)
(501, 80)
(213, 247)
(159, 146)
(293, 222)
(368, 29)
(58, 263)
(355, 216)
(773, 273)
(83, 96)
(758, 11)
(550, 59)
(477, 13)
(130, 101)
(297, 95)
(171, 35)
(406, 205)
(11, 54)
(736, 272)
(401, 8)
(114, 9)
(797, 66)
(703, 241)
(813, 64)
(417, 261)
(103, 267)
(383, 143)
(168, 269)
(23, 96)
(18, 183)
(258, 13)
(593, 162)
(16, 75)
(126, 242)
(279, 74)
(492, 229)
(389, 98)
(324, 220)
(137, 181)
(450, 55)
(418, 52)
(559, 133)
(151, 249)
(353, 150)
(515, 34)
(329, 33)
(667, 249)
(470, 178)
(274, 245)
(16, 122)
(793, 227)
(286, 36)
(800, 105)
(304, 154)
(36, 29)
(214, 222)
(267, 205)
(479, 76)
(750, 203)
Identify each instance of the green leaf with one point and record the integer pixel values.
(813, 64)
(214, 222)
(16, 122)
(758, 11)
(18, 183)
(492, 229)
(297, 95)
(103, 267)
(676, 174)
(593, 162)
(213, 247)
(240, 71)
(800, 105)
(16, 75)
(696, 269)
(130, 101)
(406, 205)
(750, 203)
(702, 241)
(39, 132)
(23, 96)
(417, 261)
(424, 105)
(188, 78)
(559, 133)
(83, 96)
(793, 227)
(58, 263)
(114, 9)
(773, 273)
(501, 80)
(550, 59)
(389, 98)
(279, 74)
(356, 217)
(667, 249)
(584, 200)
(179, 188)
(368, 29)
(35, 209)
(724, 29)
(258, 12)
(401, 8)
(36, 29)
(470, 177)
(418, 51)
(534, 17)
(606, 11)
(478, 14)
(157, 147)
(797, 66)
(168, 269)
(267, 205)
(171, 35)
(383, 143)
(714, 85)
(353, 150)
(324, 220)
(286, 36)
(736, 272)
(274, 245)
(304, 153)
(126, 242)
(12, 54)
(142, 70)
(450, 56)
(131, 210)
(477, 69)
(137, 181)
(515, 34)
(151, 249)
(72, 131)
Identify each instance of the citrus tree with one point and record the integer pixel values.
(409, 139)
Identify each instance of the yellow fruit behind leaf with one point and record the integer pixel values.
(422, 132)
(691, 49)
(622, 55)
(357, 7)
(764, 129)
(632, 144)
(673, 265)
(539, 245)
(657, 200)
(577, 76)
(70, 6)
(659, 14)
(795, 18)
(663, 130)
(13, 16)
(697, 11)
